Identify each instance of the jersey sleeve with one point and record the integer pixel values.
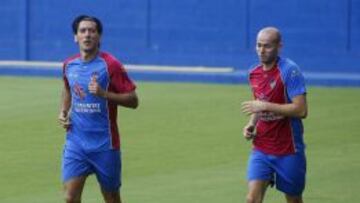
(119, 79)
(250, 76)
(65, 79)
(295, 82)
(64, 69)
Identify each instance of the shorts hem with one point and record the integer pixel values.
(111, 189)
(64, 180)
(294, 194)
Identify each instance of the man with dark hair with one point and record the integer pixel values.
(95, 83)
(77, 20)
(275, 126)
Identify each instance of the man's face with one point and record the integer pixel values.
(87, 36)
(267, 47)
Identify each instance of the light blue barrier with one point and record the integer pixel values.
(233, 77)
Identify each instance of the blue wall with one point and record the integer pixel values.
(319, 35)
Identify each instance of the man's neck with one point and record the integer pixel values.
(88, 56)
(269, 66)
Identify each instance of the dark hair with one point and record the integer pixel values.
(77, 20)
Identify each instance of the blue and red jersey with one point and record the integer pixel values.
(277, 134)
(93, 119)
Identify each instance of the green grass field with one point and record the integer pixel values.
(183, 144)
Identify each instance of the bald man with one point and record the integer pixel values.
(275, 125)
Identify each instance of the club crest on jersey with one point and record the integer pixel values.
(272, 84)
(79, 91)
(95, 75)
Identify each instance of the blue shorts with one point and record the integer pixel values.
(287, 171)
(106, 165)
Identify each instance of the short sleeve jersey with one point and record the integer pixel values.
(276, 134)
(93, 118)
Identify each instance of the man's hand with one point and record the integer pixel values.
(255, 106)
(64, 119)
(249, 131)
(95, 88)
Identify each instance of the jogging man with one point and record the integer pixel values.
(275, 124)
(95, 83)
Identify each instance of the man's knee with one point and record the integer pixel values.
(71, 197)
(294, 199)
(112, 197)
(73, 190)
(250, 198)
(256, 191)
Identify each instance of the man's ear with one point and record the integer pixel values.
(280, 45)
(75, 39)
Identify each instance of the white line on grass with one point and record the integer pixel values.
(130, 67)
